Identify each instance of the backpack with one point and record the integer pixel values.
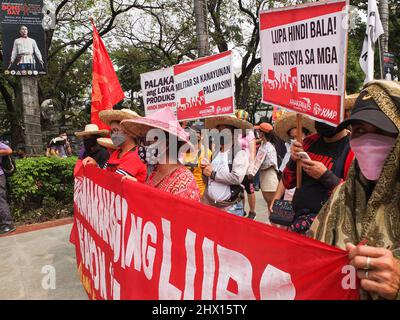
(8, 165)
(236, 190)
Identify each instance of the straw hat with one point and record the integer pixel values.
(163, 119)
(107, 143)
(288, 121)
(229, 120)
(349, 101)
(107, 116)
(91, 129)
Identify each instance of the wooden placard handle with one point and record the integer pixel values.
(299, 135)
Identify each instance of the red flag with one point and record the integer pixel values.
(106, 89)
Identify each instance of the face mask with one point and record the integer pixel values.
(118, 139)
(89, 143)
(325, 130)
(371, 151)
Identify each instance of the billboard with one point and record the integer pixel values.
(23, 38)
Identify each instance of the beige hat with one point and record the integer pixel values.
(229, 120)
(349, 101)
(107, 143)
(91, 129)
(288, 121)
(107, 116)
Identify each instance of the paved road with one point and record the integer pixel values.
(23, 258)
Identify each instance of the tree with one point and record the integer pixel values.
(200, 12)
(69, 42)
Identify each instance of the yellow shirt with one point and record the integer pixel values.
(190, 161)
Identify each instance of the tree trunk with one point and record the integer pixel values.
(200, 12)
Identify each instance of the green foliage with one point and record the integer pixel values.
(42, 188)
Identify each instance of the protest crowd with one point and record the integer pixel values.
(350, 172)
(336, 184)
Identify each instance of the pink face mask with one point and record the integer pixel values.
(371, 151)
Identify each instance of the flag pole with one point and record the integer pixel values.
(380, 57)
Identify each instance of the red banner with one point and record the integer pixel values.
(128, 247)
(106, 89)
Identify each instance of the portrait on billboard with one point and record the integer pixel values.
(23, 38)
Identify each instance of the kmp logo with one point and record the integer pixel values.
(324, 112)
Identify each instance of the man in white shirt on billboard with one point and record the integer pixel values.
(24, 51)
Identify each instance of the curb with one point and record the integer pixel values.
(39, 226)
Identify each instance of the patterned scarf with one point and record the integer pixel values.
(357, 210)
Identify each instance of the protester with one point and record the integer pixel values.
(228, 167)
(6, 222)
(91, 147)
(286, 130)
(59, 146)
(367, 206)
(330, 155)
(247, 140)
(168, 174)
(125, 159)
(193, 159)
(267, 162)
(258, 144)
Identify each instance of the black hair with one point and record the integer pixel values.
(305, 131)
(277, 142)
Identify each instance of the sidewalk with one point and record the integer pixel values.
(23, 256)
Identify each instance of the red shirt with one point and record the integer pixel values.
(129, 164)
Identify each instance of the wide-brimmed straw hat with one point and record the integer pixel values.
(350, 100)
(288, 121)
(91, 129)
(163, 119)
(229, 120)
(108, 116)
(106, 143)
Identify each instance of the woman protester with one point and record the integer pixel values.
(193, 159)
(91, 147)
(168, 174)
(366, 208)
(286, 129)
(125, 159)
(228, 167)
(267, 162)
